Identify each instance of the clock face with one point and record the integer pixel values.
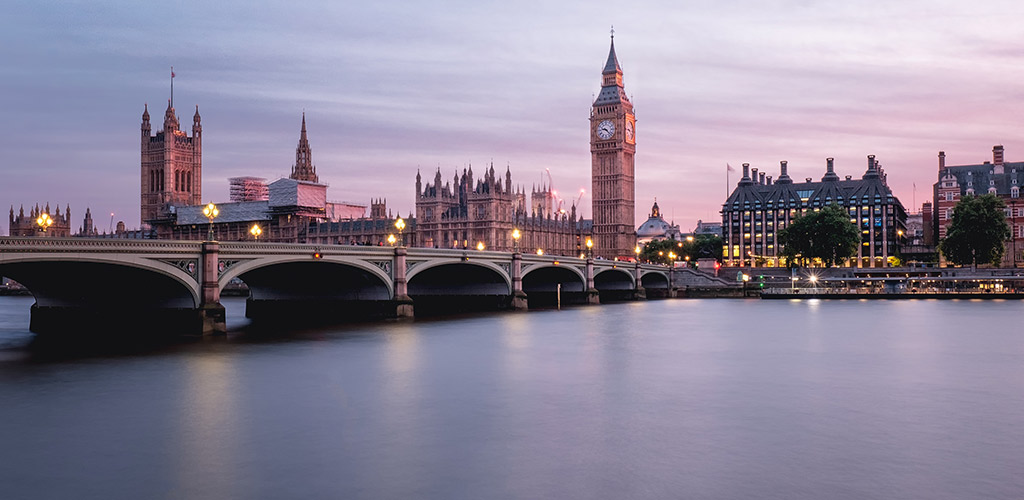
(605, 129)
(629, 130)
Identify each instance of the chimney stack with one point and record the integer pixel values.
(782, 168)
(830, 165)
(997, 155)
(768, 181)
(753, 175)
(942, 160)
(761, 178)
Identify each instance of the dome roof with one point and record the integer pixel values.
(654, 227)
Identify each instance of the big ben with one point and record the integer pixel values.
(612, 148)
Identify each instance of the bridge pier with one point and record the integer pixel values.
(639, 293)
(519, 301)
(403, 302)
(593, 296)
(212, 319)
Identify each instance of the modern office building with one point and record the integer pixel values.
(758, 208)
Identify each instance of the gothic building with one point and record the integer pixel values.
(464, 214)
(758, 209)
(997, 177)
(612, 148)
(172, 166)
(60, 227)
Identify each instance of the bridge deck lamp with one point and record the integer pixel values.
(540, 251)
(515, 239)
(255, 231)
(480, 246)
(400, 225)
(211, 212)
(391, 239)
(590, 247)
(44, 221)
(636, 250)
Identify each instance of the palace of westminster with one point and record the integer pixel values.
(480, 211)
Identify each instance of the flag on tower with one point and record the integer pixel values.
(729, 168)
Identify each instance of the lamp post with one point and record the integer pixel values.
(480, 246)
(540, 251)
(590, 248)
(391, 239)
(44, 221)
(515, 239)
(671, 259)
(636, 250)
(255, 231)
(400, 225)
(211, 212)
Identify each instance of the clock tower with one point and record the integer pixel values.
(612, 148)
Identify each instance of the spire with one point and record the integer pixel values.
(612, 66)
(303, 170)
(145, 112)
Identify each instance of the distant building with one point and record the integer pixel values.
(172, 166)
(714, 228)
(248, 189)
(27, 225)
(655, 228)
(293, 210)
(464, 214)
(997, 177)
(758, 209)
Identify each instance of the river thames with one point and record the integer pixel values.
(715, 399)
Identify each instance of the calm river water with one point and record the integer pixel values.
(716, 399)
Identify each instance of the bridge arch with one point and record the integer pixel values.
(654, 280)
(547, 277)
(458, 277)
(299, 276)
(90, 280)
(613, 279)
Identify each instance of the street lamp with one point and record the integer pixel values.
(400, 225)
(671, 259)
(391, 239)
(636, 250)
(211, 212)
(515, 239)
(540, 251)
(590, 248)
(255, 231)
(480, 246)
(44, 221)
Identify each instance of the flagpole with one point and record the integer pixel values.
(172, 86)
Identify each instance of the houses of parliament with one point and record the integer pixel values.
(469, 210)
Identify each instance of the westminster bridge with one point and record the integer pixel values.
(147, 284)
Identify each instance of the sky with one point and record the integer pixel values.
(390, 88)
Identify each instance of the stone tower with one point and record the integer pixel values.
(303, 170)
(172, 166)
(612, 148)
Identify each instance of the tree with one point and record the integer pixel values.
(827, 235)
(976, 234)
(702, 246)
(657, 251)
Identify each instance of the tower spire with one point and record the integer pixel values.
(303, 170)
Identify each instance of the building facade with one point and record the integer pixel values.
(468, 214)
(612, 151)
(172, 166)
(759, 208)
(997, 177)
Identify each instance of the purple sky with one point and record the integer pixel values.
(389, 88)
